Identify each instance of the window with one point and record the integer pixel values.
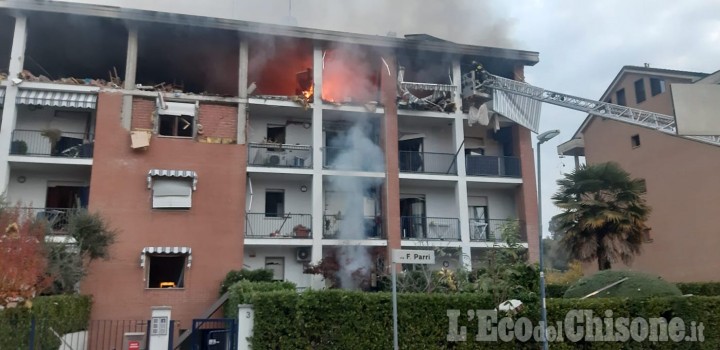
(172, 193)
(657, 86)
(274, 203)
(640, 90)
(171, 125)
(276, 134)
(620, 97)
(277, 266)
(166, 271)
(635, 141)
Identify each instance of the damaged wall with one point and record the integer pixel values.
(189, 59)
(217, 120)
(7, 29)
(274, 63)
(64, 46)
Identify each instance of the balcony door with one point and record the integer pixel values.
(413, 216)
(411, 148)
(66, 196)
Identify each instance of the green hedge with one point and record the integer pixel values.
(638, 285)
(59, 314)
(234, 276)
(243, 292)
(555, 290)
(700, 288)
(353, 320)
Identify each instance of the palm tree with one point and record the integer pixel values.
(603, 214)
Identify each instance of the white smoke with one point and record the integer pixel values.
(356, 152)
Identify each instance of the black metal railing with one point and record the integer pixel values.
(492, 166)
(56, 219)
(52, 143)
(491, 230)
(337, 158)
(340, 227)
(277, 155)
(430, 228)
(427, 162)
(270, 225)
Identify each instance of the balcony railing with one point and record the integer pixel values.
(277, 155)
(490, 230)
(333, 159)
(56, 219)
(492, 166)
(427, 162)
(333, 228)
(52, 143)
(271, 225)
(430, 228)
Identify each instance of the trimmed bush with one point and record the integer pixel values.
(638, 285)
(234, 276)
(700, 288)
(243, 292)
(59, 314)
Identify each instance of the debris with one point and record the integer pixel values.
(115, 81)
(3, 76)
(371, 106)
(251, 88)
(438, 97)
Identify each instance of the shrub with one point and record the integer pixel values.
(700, 288)
(573, 274)
(555, 290)
(243, 292)
(260, 275)
(638, 285)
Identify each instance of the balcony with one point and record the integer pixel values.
(332, 224)
(56, 219)
(51, 143)
(280, 155)
(272, 225)
(490, 230)
(430, 228)
(427, 163)
(492, 166)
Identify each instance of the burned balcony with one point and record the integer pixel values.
(188, 59)
(351, 75)
(77, 50)
(278, 225)
(430, 228)
(425, 82)
(336, 225)
(280, 68)
(491, 230)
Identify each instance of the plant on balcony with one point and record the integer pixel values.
(53, 135)
(18, 147)
(301, 231)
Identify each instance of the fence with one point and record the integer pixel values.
(430, 228)
(427, 162)
(56, 218)
(53, 143)
(492, 166)
(490, 230)
(333, 228)
(277, 155)
(269, 225)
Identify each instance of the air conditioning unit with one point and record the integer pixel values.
(303, 254)
(275, 158)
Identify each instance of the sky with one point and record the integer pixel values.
(582, 44)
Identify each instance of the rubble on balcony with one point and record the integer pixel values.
(3, 76)
(425, 96)
(114, 80)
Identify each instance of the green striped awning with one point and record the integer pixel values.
(57, 98)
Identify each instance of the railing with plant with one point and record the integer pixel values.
(491, 230)
(51, 142)
(280, 155)
(338, 227)
(430, 228)
(271, 225)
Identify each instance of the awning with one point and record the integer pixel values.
(520, 109)
(57, 98)
(166, 251)
(172, 173)
(2, 96)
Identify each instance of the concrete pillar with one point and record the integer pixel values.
(391, 200)
(246, 323)
(242, 92)
(318, 208)
(9, 116)
(160, 328)
(461, 187)
(130, 74)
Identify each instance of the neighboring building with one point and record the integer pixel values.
(679, 173)
(198, 138)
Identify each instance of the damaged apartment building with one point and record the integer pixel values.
(214, 145)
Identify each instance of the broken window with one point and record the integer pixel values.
(639, 90)
(657, 86)
(7, 29)
(620, 97)
(276, 134)
(166, 271)
(173, 125)
(82, 50)
(280, 67)
(351, 74)
(274, 203)
(188, 59)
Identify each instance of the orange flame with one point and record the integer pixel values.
(348, 76)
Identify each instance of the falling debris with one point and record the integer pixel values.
(115, 81)
(424, 96)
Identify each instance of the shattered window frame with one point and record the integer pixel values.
(176, 125)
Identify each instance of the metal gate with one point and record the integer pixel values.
(214, 334)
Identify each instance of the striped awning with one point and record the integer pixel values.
(57, 98)
(2, 96)
(168, 251)
(172, 173)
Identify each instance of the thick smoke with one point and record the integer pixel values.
(358, 153)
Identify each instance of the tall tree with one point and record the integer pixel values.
(604, 214)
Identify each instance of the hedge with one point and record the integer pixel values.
(232, 277)
(555, 290)
(638, 285)
(59, 314)
(354, 320)
(242, 292)
(700, 288)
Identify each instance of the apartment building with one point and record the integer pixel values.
(213, 144)
(678, 172)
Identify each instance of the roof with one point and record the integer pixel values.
(421, 42)
(713, 78)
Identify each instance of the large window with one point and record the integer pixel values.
(166, 271)
(274, 203)
(640, 90)
(172, 193)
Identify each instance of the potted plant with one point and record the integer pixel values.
(53, 135)
(18, 147)
(301, 231)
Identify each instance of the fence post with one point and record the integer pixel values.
(246, 320)
(160, 328)
(31, 339)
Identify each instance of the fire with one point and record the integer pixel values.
(308, 94)
(348, 76)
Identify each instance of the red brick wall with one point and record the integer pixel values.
(218, 120)
(391, 202)
(142, 113)
(213, 227)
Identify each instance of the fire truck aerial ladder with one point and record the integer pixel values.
(480, 86)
